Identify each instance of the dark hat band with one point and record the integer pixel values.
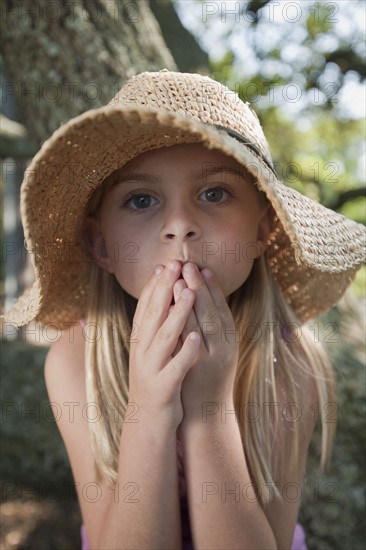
(245, 141)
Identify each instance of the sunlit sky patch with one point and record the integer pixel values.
(222, 25)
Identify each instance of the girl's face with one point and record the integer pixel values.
(184, 203)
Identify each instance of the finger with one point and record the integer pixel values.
(206, 313)
(156, 304)
(178, 367)
(178, 347)
(228, 330)
(142, 302)
(192, 325)
(146, 294)
(178, 288)
(166, 339)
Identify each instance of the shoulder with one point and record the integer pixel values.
(71, 344)
(65, 382)
(65, 365)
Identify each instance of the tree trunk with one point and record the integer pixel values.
(59, 59)
(187, 53)
(64, 57)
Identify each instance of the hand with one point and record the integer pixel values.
(155, 377)
(212, 377)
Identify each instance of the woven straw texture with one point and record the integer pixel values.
(314, 252)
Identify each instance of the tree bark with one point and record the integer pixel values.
(66, 56)
(187, 53)
(59, 59)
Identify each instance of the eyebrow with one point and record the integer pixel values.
(202, 173)
(213, 170)
(135, 176)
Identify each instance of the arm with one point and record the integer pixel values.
(214, 459)
(142, 511)
(223, 509)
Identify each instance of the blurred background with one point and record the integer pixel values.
(302, 67)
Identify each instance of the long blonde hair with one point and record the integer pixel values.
(268, 354)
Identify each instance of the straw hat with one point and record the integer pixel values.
(314, 252)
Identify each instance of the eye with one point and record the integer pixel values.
(140, 202)
(215, 195)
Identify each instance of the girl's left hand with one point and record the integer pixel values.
(211, 378)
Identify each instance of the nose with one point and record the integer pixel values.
(181, 224)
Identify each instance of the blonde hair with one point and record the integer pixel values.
(279, 348)
(269, 355)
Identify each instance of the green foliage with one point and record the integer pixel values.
(33, 451)
(316, 26)
(333, 507)
(316, 143)
(355, 209)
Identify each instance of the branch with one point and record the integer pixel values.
(14, 140)
(341, 199)
(187, 53)
(346, 196)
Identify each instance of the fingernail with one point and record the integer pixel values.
(172, 267)
(189, 268)
(177, 291)
(158, 270)
(186, 294)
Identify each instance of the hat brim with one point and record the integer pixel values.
(314, 254)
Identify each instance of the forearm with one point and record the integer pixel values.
(150, 517)
(222, 516)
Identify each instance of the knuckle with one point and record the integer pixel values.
(153, 308)
(174, 367)
(211, 314)
(223, 310)
(181, 306)
(200, 285)
(164, 334)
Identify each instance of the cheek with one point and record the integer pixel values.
(235, 254)
(131, 278)
(237, 244)
(121, 240)
(131, 262)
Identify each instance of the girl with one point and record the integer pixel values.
(181, 272)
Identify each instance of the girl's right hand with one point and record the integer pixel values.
(155, 376)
